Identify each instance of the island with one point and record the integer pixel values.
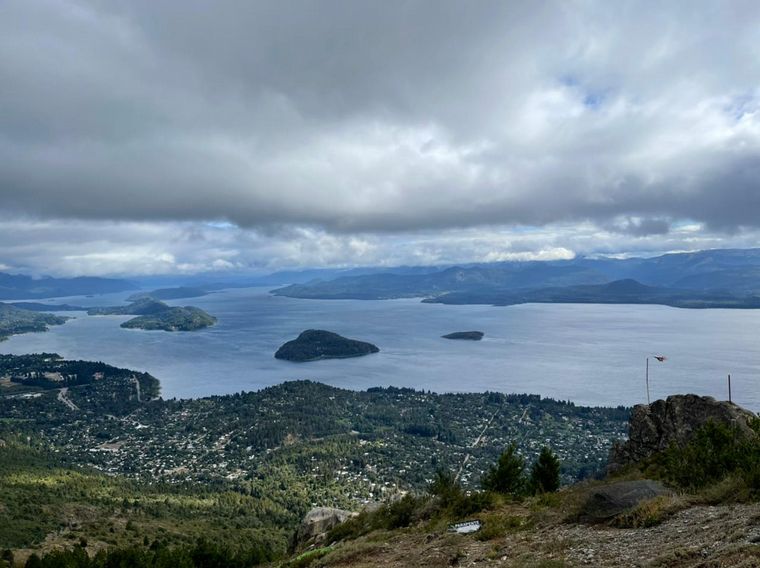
(315, 344)
(187, 318)
(14, 321)
(469, 335)
(170, 293)
(153, 315)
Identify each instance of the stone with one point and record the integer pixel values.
(611, 500)
(318, 522)
(655, 427)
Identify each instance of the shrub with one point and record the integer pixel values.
(716, 452)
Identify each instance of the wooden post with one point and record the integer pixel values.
(729, 387)
(648, 400)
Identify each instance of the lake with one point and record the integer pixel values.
(590, 354)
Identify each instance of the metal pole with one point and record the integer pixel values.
(729, 387)
(648, 400)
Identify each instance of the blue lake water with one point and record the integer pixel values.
(590, 354)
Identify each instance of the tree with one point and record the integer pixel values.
(544, 475)
(445, 486)
(508, 475)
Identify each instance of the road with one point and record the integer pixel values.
(475, 444)
(62, 396)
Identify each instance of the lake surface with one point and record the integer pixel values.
(590, 354)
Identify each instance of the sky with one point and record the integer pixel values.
(148, 137)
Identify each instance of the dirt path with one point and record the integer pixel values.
(475, 444)
(62, 396)
(137, 388)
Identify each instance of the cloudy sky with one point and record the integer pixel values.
(160, 137)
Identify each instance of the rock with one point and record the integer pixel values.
(614, 499)
(318, 522)
(653, 428)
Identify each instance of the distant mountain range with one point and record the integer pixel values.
(20, 287)
(704, 279)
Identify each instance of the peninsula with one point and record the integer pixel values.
(315, 344)
(14, 321)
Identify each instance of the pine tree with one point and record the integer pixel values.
(544, 475)
(508, 475)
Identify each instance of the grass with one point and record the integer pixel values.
(308, 557)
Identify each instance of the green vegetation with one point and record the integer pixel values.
(315, 344)
(471, 335)
(705, 279)
(173, 319)
(544, 474)
(45, 499)
(170, 293)
(156, 315)
(245, 468)
(142, 307)
(508, 475)
(14, 320)
(108, 387)
(715, 453)
(201, 555)
(20, 287)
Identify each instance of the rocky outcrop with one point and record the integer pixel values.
(653, 428)
(614, 499)
(318, 522)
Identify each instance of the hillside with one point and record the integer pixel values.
(15, 320)
(238, 472)
(705, 279)
(170, 293)
(186, 318)
(690, 499)
(20, 287)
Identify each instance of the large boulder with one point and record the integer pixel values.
(655, 427)
(318, 522)
(614, 499)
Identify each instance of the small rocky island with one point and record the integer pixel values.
(315, 344)
(153, 315)
(469, 335)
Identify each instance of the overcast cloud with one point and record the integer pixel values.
(156, 136)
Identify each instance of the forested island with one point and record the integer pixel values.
(315, 344)
(466, 335)
(154, 314)
(175, 293)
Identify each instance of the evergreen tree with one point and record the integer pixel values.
(508, 475)
(544, 475)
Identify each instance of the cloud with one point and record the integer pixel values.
(126, 248)
(384, 117)
(325, 126)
